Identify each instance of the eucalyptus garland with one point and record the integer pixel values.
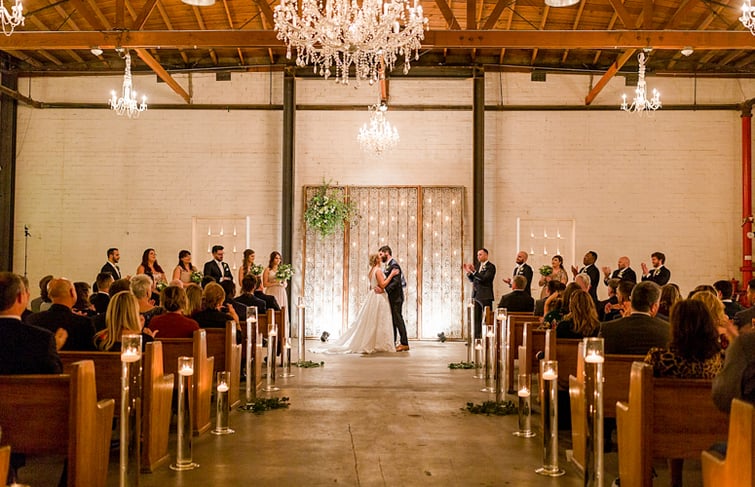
(261, 404)
(328, 211)
(308, 364)
(461, 365)
(492, 407)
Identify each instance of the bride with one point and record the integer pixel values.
(372, 330)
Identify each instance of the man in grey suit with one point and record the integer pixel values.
(641, 330)
(481, 278)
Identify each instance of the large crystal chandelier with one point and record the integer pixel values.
(336, 34)
(13, 18)
(378, 135)
(748, 16)
(641, 102)
(127, 104)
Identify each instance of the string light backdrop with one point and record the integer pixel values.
(544, 238)
(232, 232)
(335, 276)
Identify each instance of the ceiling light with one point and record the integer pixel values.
(748, 15)
(561, 3)
(641, 103)
(687, 51)
(96, 51)
(13, 17)
(199, 3)
(127, 103)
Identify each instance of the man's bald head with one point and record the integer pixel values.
(61, 291)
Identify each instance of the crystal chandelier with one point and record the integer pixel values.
(127, 104)
(13, 18)
(336, 34)
(378, 135)
(641, 102)
(748, 16)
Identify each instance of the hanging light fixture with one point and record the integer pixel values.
(12, 19)
(561, 3)
(641, 103)
(338, 34)
(748, 15)
(377, 135)
(199, 3)
(127, 104)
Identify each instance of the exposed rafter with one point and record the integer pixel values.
(448, 14)
(602, 82)
(164, 75)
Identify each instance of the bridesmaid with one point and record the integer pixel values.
(184, 268)
(272, 285)
(558, 274)
(150, 267)
(246, 264)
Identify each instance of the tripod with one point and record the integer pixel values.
(26, 246)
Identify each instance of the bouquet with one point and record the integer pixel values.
(546, 270)
(256, 269)
(284, 272)
(160, 286)
(328, 210)
(196, 277)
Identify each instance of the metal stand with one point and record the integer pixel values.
(131, 409)
(184, 440)
(593, 375)
(549, 395)
(489, 363)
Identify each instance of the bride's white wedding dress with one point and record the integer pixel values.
(371, 331)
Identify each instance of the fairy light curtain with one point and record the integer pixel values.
(544, 238)
(231, 232)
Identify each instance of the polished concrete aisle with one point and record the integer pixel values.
(386, 419)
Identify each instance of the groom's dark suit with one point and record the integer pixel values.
(395, 291)
(211, 269)
(482, 292)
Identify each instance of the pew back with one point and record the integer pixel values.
(107, 366)
(738, 468)
(221, 344)
(514, 340)
(156, 411)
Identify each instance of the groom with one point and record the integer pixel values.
(395, 291)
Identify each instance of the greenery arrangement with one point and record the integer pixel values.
(285, 272)
(160, 286)
(308, 364)
(261, 404)
(196, 277)
(442, 337)
(257, 269)
(328, 211)
(546, 270)
(461, 365)
(491, 407)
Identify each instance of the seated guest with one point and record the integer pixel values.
(517, 300)
(550, 289)
(582, 320)
(558, 308)
(247, 297)
(641, 330)
(737, 377)
(36, 303)
(604, 307)
(123, 284)
(694, 351)
(230, 293)
(670, 294)
(122, 316)
(726, 330)
(80, 329)
(193, 299)
(259, 293)
(141, 286)
(206, 280)
(176, 283)
(700, 288)
(743, 319)
(83, 306)
(173, 323)
(724, 291)
(214, 314)
(101, 298)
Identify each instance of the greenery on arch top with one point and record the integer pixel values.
(329, 210)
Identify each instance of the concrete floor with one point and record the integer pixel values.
(379, 420)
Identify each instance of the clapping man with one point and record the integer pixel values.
(522, 269)
(592, 271)
(659, 274)
(623, 272)
(481, 278)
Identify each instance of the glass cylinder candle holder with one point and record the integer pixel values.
(592, 351)
(549, 414)
(130, 414)
(524, 393)
(488, 359)
(501, 325)
(223, 406)
(184, 439)
(286, 358)
(272, 345)
(131, 347)
(470, 330)
(300, 308)
(251, 342)
(478, 358)
(498, 356)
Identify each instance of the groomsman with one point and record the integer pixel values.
(111, 266)
(481, 278)
(592, 271)
(522, 269)
(216, 268)
(659, 274)
(622, 273)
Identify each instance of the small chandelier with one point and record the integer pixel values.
(641, 102)
(378, 135)
(748, 16)
(12, 19)
(340, 33)
(127, 104)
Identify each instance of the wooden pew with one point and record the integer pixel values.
(107, 366)
(738, 468)
(59, 414)
(156, 408)
(4, 462)
(201, 390)
(534, 342)
(280, 325)
(664, 418)
(566, 354)
(221, 344)
(514, 339)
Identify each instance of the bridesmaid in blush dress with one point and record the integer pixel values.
(272, 285)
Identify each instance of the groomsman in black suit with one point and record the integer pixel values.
(591, 270)
(216, 267)
(659, 274)
(481, 278)
(111, 266)
(622, 273)
(395, 291)
(522, 269)
(725, 290)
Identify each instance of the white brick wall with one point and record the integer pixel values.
(87, 179)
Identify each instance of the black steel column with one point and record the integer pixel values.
(287, 169)
(478, 161)
(8, 110)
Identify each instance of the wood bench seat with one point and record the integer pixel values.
(221, 344)
(515, 339)
(738, 468)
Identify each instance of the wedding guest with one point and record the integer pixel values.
(274, 286)
(214, 314)
(605, 306)
(26, 312)
(80, 330)
(641, 330)
(123, 284)
(737, 377)
(206, 280)
(517, 300)
(582, 320)
(101, 298)
(83, 305)
(481, 278)
(591, 270)
(670, 294)
(111, 266)
(173, 323)
(247, 262)
(623, 272)
(522, 269)
(743, 319)
(43, 296)
(141, 286)
(150, 267)
(693, 351)
(552, 291)
(559, 307)
(122, 316)
(216, 268)
(247, 297)
(726, 330)
(558, 274)
(193, 299)
(184, 268)
(725, 291)
(270, 301)
(176, 283)
(230, 293)
(659, 274)
(623, 306)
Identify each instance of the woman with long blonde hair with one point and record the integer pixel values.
(122, 315)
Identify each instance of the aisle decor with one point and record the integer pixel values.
(284, 273)
(503, 408)
(262, 404)
(329, 211)
(461, 365)
(442, 337)
(308, 364)
(545, 270)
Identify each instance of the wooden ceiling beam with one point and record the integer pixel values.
(495, 39)
(267, 12)
(144, 14)
(169, 25)
(162, 73)
(602, 82)
(647, 15)
(120, 14)
(624, 15)
(574, 27)
(471, 14)
(448, 14)
(99, 14)
(496, 13)
(82, 8)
